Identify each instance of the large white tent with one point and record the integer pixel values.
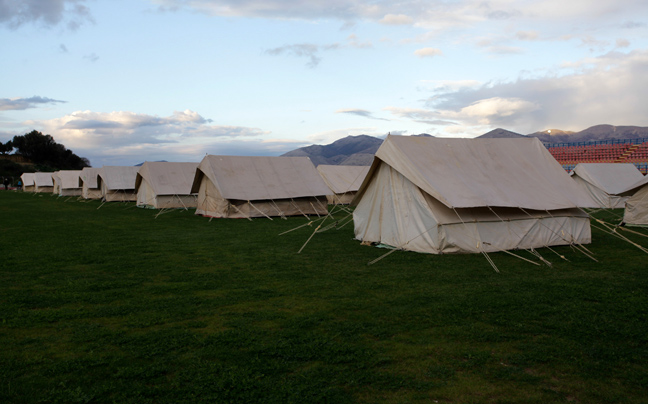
(244, 187)
(439, 195)
(66, 183)
(117, 183)
(89, 181)
(344, 181)
(43, 182)
(604, 181)
(162, 185)
(27, 182)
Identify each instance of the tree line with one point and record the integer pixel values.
(43, 152)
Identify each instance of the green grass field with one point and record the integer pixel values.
(113, 305)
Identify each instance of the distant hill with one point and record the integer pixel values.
(500, 133)
(597, 132)
(351, 150)
(360, 150)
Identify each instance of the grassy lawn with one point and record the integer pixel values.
(114, 305)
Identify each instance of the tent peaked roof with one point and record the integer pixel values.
(466, 173)
(613, 178)
(27, 179)
(43, 179)
(68, 178)
(261, 178)
(343, 179)
(167, 178)
(119, 177)
(89, 176)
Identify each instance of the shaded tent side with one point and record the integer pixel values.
(117, 183)
(43, 182)
(344, 181)
(66, 183)
(636, 204)
(89, 181)
(162, 185)
(604, 181)
(246, 187)
(27, 182)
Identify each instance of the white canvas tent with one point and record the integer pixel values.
(161, 185)
(344, 181)
(43, 182)
(636, 204)
(438, 196)
(604, 181)
(117, 183)
(66, 183)
(244, 187)
(27, 182)
(89, 181)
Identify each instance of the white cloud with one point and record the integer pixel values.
(396, 19)
(607, 89)
(428, 52)
(122, 128)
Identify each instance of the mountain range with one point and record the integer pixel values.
(359, 150)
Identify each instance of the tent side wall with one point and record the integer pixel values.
(602, 198)
(147, 198)
(210, 203)
(175, 201)
(44, 189)
(28, 188)
(636, 208)
(117, 195)
(90, 193)
(394, 211)
(145, 194)
(341, 199)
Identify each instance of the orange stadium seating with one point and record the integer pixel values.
(607, 151)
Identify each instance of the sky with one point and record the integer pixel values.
(125, 81)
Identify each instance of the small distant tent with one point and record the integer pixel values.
(66, 183)
(89, 181)
(604, 181)
(43, 182)
(161, 185)
(117, 183)
(344, 181)
(636, 204)
(245, 187)
(439, 195)
(27, 182)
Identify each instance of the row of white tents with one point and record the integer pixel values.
(424, 194)
(219, 186)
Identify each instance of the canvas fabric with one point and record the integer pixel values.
(604, 182)
(211, 203)
(43, 182)
(27, 180)
(89, 179)
(464, 173)
(454, 212)
(343, 181)
(636, 208)
(66, 182)
(162, 185)
(241, 186)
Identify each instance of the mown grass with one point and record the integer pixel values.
(114, 305)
